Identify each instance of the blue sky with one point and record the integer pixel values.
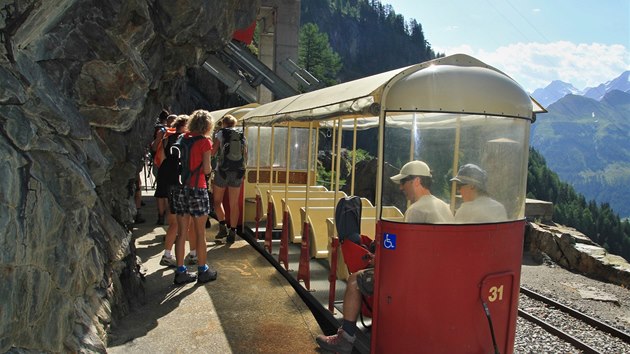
(583, 42)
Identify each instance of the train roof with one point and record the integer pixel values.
(456, 84)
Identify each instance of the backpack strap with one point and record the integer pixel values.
(194, 173)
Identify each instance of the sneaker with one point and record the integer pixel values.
(184, 277)
(168, 261)
(231, 237)
(341, 342)
(207, 276)
(223, 232)
(190, 259)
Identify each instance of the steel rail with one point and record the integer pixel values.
(558, 332)
(593, 322)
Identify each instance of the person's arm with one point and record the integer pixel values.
(207, 166)
(215, 146)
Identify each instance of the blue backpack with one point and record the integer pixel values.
(181, 151)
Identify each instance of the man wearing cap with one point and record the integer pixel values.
(415, 182)
(477, 207)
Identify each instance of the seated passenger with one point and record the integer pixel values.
(477, 207)
(415, 182)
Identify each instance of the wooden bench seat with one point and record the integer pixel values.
(296, 223)
(275, 198)
(319, 230)
(261, 190)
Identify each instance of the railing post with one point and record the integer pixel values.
(332, 277)
(304, 271)
(283, 254)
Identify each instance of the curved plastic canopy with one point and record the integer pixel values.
(457, 83)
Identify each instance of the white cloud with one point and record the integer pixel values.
(535, 65)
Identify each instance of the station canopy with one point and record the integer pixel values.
(453, 84)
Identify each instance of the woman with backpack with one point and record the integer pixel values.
(190, 200)
(231, 150)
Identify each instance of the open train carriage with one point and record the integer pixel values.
(450, 288)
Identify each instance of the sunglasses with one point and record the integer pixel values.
(407, 179)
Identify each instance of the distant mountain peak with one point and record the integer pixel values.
(557, 89)
(553, 92)
(621, 83)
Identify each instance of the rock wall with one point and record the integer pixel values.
(574, 251)
(81, 84)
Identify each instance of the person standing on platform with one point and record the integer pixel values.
(190, 201)
(230, 148)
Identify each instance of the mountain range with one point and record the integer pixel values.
(584, 138)
(558, 89)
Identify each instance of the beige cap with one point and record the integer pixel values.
(413, 168)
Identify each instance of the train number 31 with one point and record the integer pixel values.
(495, 293)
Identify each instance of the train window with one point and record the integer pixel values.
(298, 146)
(470, 156)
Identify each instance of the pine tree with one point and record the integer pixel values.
(316, 55)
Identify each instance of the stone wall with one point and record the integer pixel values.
(574, 251)
(82, 83)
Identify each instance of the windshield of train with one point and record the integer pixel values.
(454, 168)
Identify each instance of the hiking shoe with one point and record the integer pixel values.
(190, 259)
(341, 342)
(223, 232)
(207, 276)
(168, 261)
(184, 277)
(231, 237)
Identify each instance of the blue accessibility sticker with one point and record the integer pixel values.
(389, 241)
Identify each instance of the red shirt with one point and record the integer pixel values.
(198, 179)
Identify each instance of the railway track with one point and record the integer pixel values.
(585, 333)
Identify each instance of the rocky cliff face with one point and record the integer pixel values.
(81, 84)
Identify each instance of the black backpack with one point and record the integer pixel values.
(348, 219)
(231, 156)
(181, 150)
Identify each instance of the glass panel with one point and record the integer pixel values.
(299, 147)
(491, 151)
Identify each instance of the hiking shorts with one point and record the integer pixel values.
(365, 281)
(187, 200)
(231, 179)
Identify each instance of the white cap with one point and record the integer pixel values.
(413, 168)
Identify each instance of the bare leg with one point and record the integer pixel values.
(199, 226)
(233, 194)
(193, 234)
(162, 205)
(182, 232)
(351, 299)
(217, 199)
(171, 231)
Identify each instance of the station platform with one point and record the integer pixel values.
(250, 308)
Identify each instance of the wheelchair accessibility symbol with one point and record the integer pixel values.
(389, 241)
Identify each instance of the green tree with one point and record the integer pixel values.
(316, 55)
